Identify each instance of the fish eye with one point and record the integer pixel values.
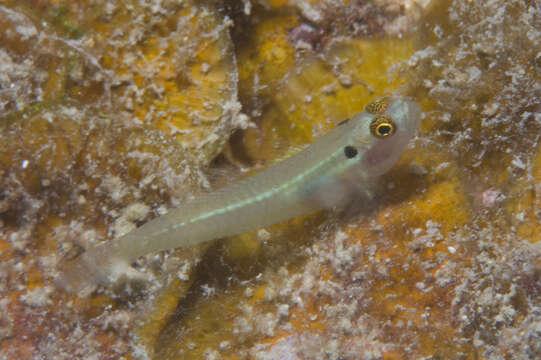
(382, 126)
(377, 106)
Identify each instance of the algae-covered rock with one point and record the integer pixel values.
(71, 178)
(170, 66)
(108, 110)
(175, 68)
(443, 265)
(35, 65)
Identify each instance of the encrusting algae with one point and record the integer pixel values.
(105, 106)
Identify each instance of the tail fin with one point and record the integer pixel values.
(97, 266)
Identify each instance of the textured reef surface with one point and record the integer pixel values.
(113, 111)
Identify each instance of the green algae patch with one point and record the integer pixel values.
(36, 69)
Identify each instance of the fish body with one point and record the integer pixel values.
(345, 161)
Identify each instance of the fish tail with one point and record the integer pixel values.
(96, 266)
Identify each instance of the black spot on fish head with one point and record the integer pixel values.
(350, 151)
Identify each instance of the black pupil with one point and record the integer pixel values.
(350, 152)
(384, 129)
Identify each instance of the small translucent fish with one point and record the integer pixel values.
(345, 161)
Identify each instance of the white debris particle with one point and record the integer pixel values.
(183, 273)
(27, 31)
(344, 253)
(81, 200)
(283, 311)
(266, 324)
(126, 222)
(308, 10)
(438, 31)
(39, 296)
(517, 162)
(6, 322)
(118, 320)
(211, 354)
(345, 80)
(208, 290)
(114, 187)
(474, 73)
(418, 169)
(109, 8)
(270, 294)
(490, 196)
(205, 67)
(442, 166)
(241, 326)
(263, 235)
(247, 7)
(19, 240)
(491, 109)
(162, 210)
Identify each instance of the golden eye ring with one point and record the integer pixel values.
(377, 106)
(382, 126)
